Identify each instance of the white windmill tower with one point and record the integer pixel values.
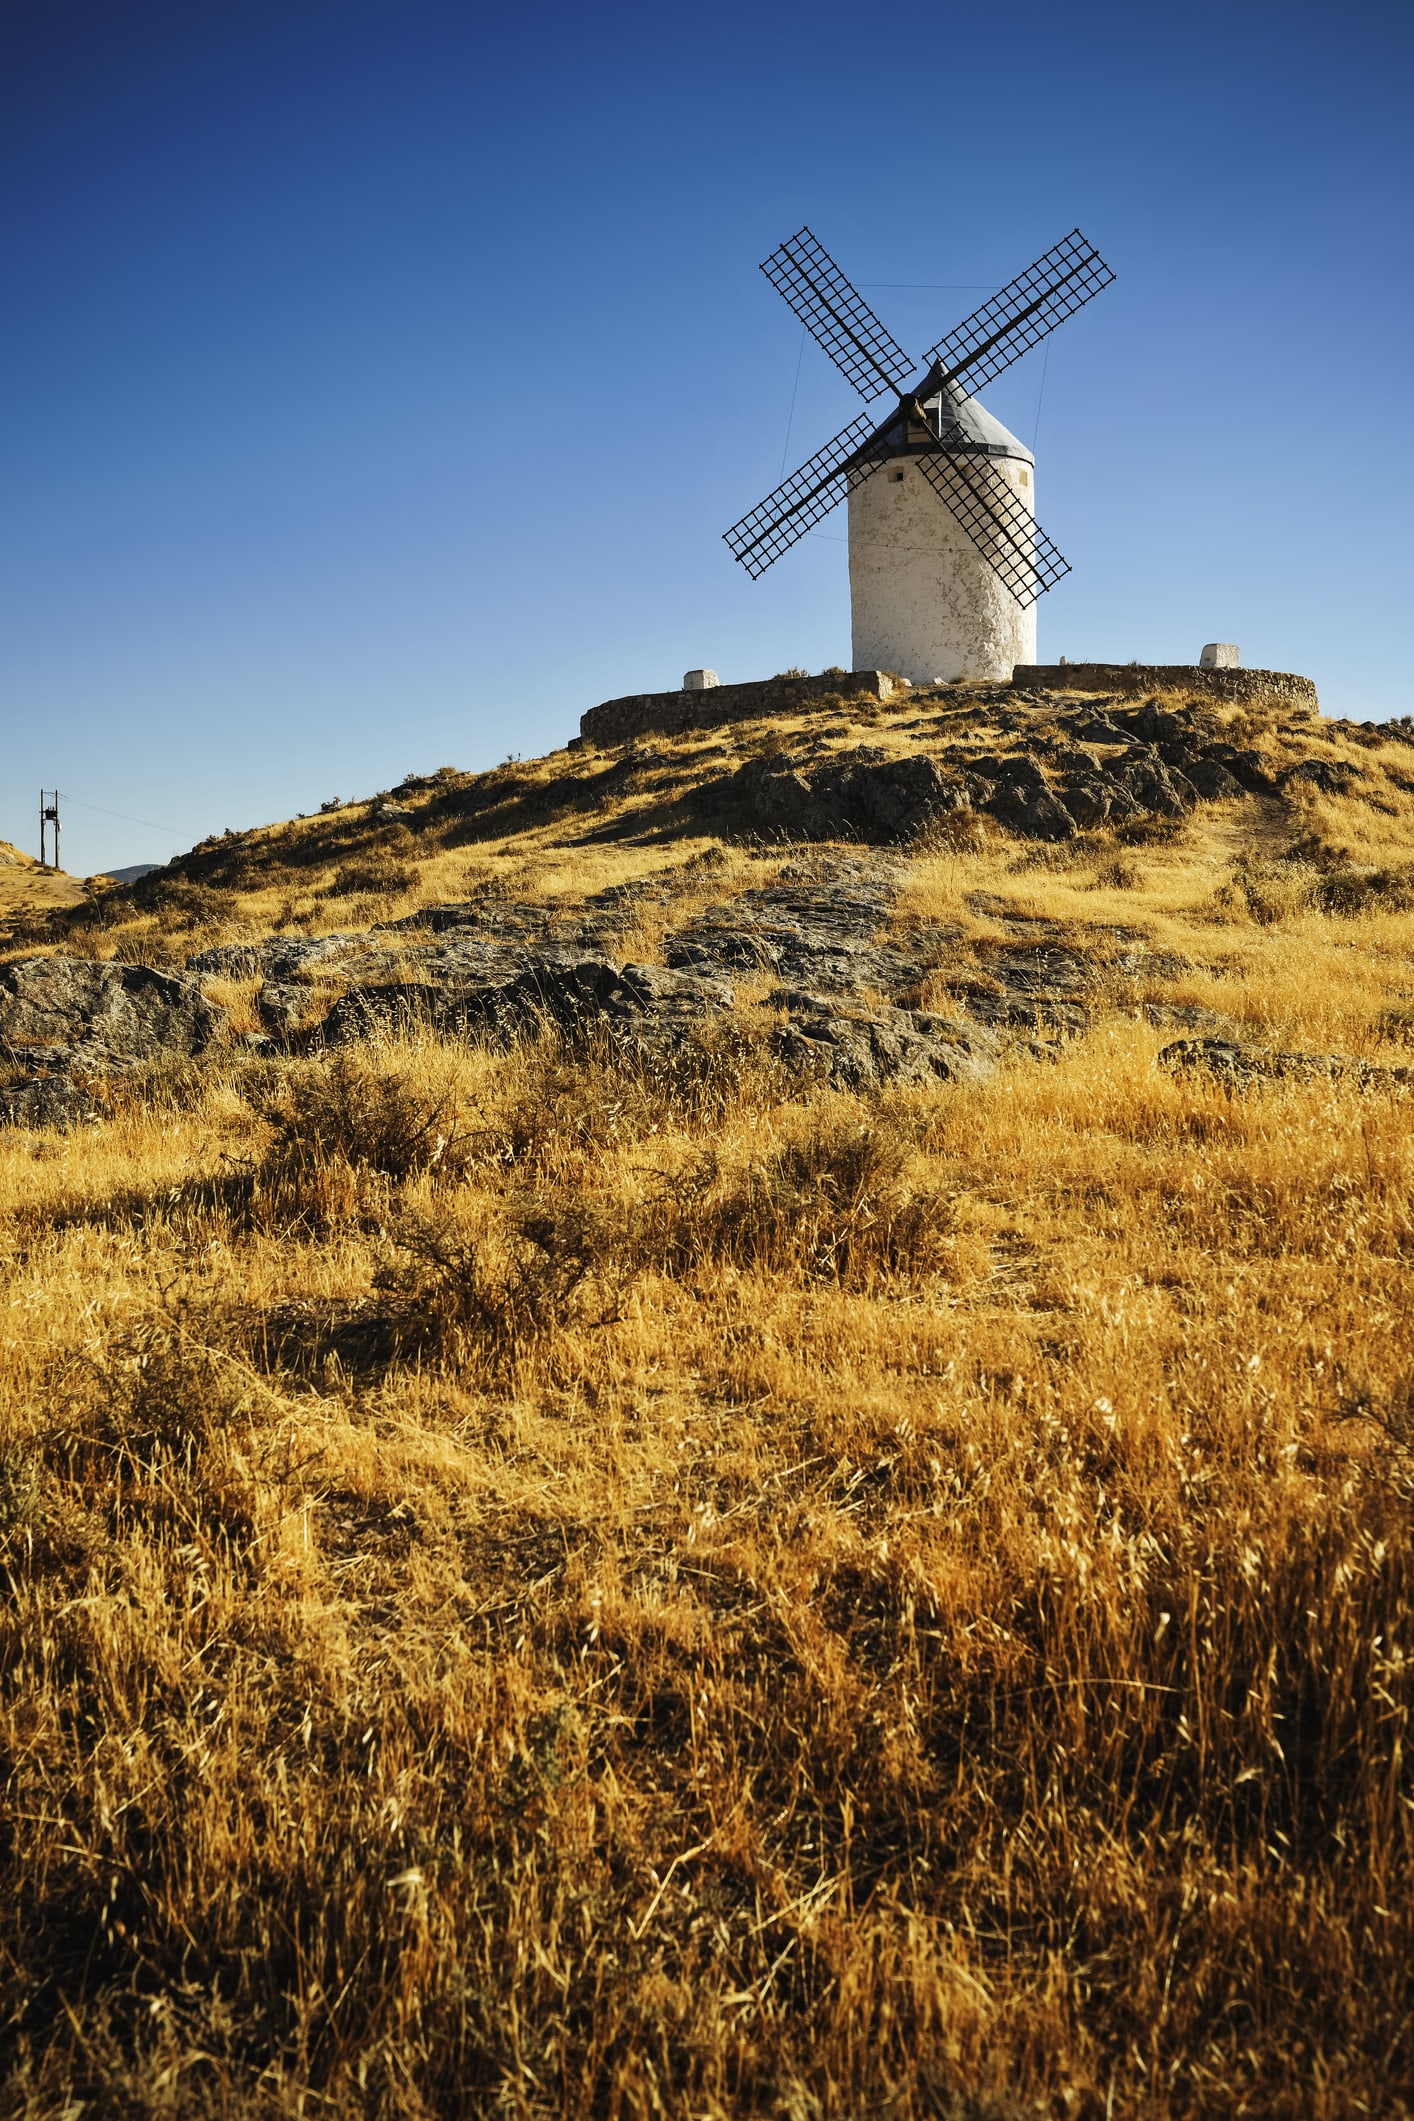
(936, 593)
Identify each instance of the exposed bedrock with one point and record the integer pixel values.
(1097, 765)
(65, 1021)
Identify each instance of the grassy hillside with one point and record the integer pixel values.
(583, 1579)
(29, 893)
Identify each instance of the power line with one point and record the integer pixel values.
(791, 421)
(1039, 395)
(170, 830)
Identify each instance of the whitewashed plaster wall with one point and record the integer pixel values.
(924, 602)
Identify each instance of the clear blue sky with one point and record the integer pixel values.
(378, 379)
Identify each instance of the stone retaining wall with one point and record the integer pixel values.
(671, 713)
(1239, 688)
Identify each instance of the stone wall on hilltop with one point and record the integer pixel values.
(1239, 688)
(674, 713)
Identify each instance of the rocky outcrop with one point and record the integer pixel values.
(1016, 793)
(842, 986)
(572, 995)
(66, 1022)
(1327, 776)
(862, 795)
(75, 1012)
(1104, 764)
(1241, 1066)
(821, 927)
(862, 1050)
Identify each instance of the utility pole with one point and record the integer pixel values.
(48, 815)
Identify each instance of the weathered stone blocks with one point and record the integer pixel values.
(709, 707)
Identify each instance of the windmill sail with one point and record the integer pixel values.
(1010, 540)
(1025, 311)
(842, 322)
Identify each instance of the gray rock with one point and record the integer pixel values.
(1021, 769)
(66, 1022)
(892, 800)
(1240, 1066)
(1154, 786)
(281, 957)
(1073, 759)
(1177, 730)
(861, 1052)
(1245, 766)
(101, 1015)
(1213, 781)
(282, 1005)
(489, 919)
(1093, 801)
(51, 1101)
(1330, 776)
(1022, 800)
(861, 795)
(1030, 990)
(820, 930)
(1189, 1016)
(1100, 729)
(571, 994)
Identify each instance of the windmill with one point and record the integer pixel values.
(936, 592)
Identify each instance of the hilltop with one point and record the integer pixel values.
(689, 852)
(28, 893)
(723, 1426)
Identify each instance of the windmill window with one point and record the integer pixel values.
(1025, 476)
(898, 478)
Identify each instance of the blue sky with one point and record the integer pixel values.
(378, 379)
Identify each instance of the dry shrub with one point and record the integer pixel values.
(377, 875)
(1351, 890)
(1266, 892)
(178, 903)
(1397, 1023)
(1312, 874)
(482, 1298)
(564, 1105)
(1150, 831)
(359, 1110)
(1118, 875)
(1336, 883)
(172, 1084)
(21, 1486)
(835, 1201)
(957, 832)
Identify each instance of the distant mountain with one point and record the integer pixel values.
(131, 874)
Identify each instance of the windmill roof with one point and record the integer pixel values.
(978, 426)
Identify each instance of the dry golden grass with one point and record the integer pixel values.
(28, 892)
(555, 1585)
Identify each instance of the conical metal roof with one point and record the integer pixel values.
(977, 423)
(958, 418)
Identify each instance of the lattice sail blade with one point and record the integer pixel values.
(803, 271)
(798, 504)
(1002, 330)
(1004, 531)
